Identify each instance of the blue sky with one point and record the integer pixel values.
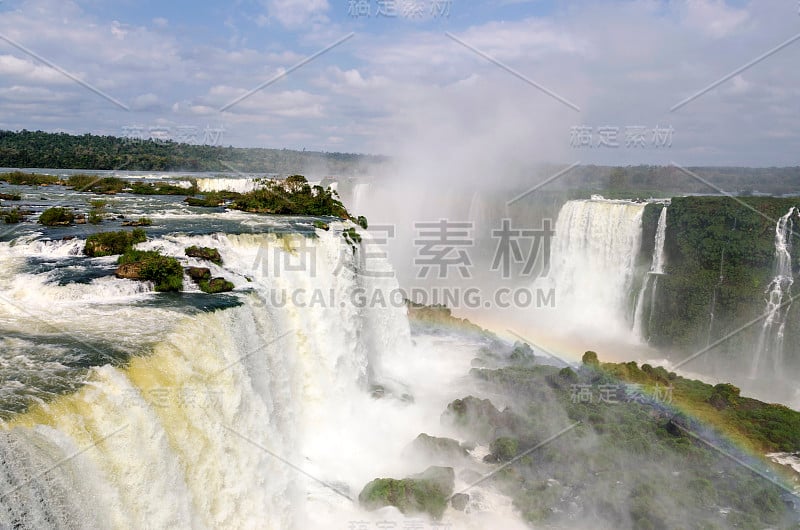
(461, 84)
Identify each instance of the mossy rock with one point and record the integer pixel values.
(142, 221)
(459, 501)
(427, 492)
(57, 217)
(321, 225)
(198, 273)
(111, 243)
(502, 449)
(522, 354)
(13, 216)
(478, 417)
(206, 253)
(215, 285)
(165, 272)
(437, 447)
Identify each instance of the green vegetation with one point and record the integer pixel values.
(503, 449)
(142, 221)
(13, 216)
(96, 184)
(362, 222)
(215, 285)
(97, 211)
(111, 243)
(114, 185)
(763, 427)
(10, 197)
(161, 188)
(206, 253)
(28, 179)
(629, 460)
(292, 196)
(352, 237)
(321, 225)
(59, 150)
(57, 217)
(213, 199)
(717, 250)
(165, 272)
(427, 492)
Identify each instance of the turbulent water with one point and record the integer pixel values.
(126, 408)
(594, 258)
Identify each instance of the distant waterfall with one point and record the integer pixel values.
(769, 348)
(594, 255)
(650, 282)
(358, 202)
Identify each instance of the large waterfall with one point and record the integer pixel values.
(647, 293)
(594, 257)
(231, 418)
(768, 354)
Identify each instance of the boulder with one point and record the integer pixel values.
(427, 492)
(130, 271)
(198, 273)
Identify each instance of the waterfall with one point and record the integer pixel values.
(239, 185)
(769, 348)
(196, 433)
(650, 282)
(358, 202)
(594, 256)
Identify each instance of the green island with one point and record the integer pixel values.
(635, 446)
(290, 196)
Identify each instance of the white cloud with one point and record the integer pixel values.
(297, 13)
(714, 17)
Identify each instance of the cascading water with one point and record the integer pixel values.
(257, 415)
(360, 192)
(650, 282)
(239, 185)
(769, 348)
(594, 255)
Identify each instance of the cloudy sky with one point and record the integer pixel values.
(568, 81)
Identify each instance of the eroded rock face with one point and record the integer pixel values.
(426, 492)
(206, 253)
(130, 271)
(459, 501)
(436, 447)
(215, 285)
(477, 417)
(198, 273)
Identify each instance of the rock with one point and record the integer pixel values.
(198, 273)
(478, 417)
(436, 447)
(459, 501)
(215, 285)
(502, 450)
(80, 219)
(206, 253)
(427, 492)
(130, 271)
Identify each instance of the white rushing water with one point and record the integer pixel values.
(257, 416)
(593, 261)
(237, 184)
(649, 288)
(768, 354)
